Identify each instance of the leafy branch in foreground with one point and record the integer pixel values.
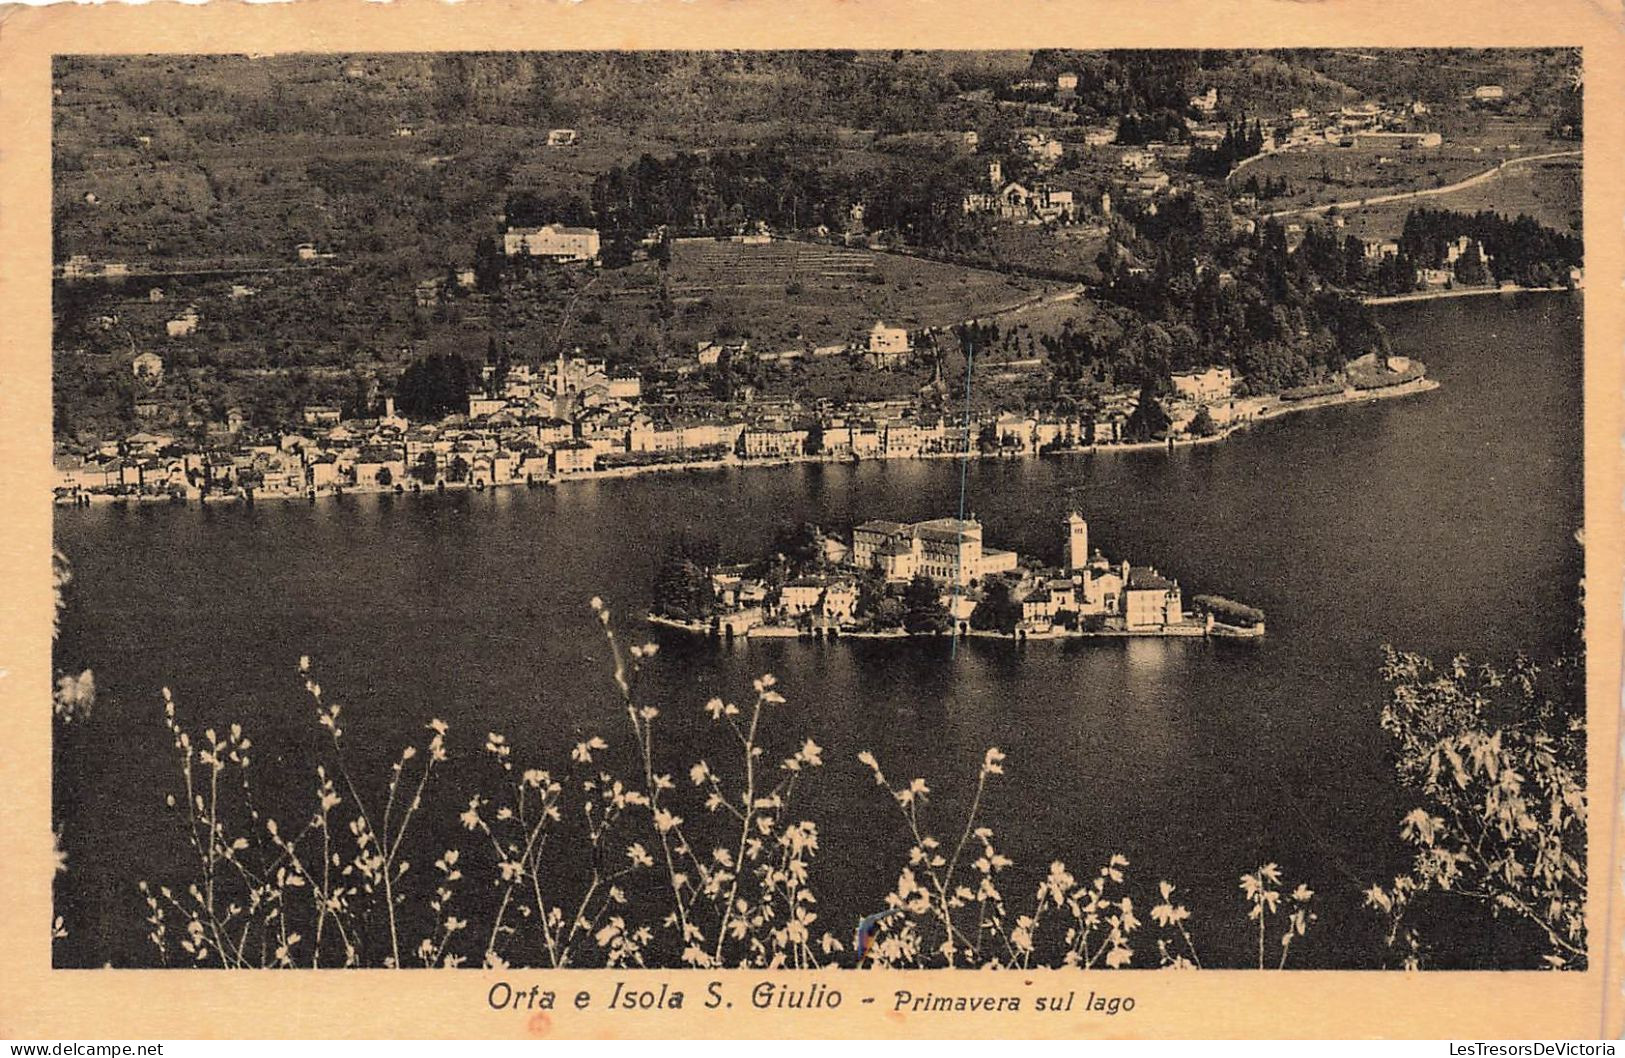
(966, 923)
(608, 860)
(1496, 758)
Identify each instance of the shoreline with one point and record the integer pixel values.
(1460, 292)
(1190, 629)
(1267, 413)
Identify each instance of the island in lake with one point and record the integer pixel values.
(934, 577)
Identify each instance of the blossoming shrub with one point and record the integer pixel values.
(611, 860)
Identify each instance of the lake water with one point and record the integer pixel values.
(1439, 523)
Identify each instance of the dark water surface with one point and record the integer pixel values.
(1438, 523)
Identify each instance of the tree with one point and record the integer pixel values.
(433, 386)
(1496, 759)
(384, 477)
(871, 593)
(1470, 268)
(358, 401)
(923, 612)
(1202, 424)
(496, 357)
(458, 469)
(489, 264)
(682, 587)
(427, 467)
(801, 545)
(998, 611)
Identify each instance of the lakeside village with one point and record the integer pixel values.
(936, 577)
(575, 417)
(578, 421)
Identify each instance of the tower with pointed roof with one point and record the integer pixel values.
(1077, 542)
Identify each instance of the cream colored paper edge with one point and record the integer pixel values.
(39, 1003)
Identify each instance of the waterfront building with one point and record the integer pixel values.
(1216, 383)
(840, 602)
(574, 457)
(1038, 607)
(837, 440)
(322, 472)
(867, 440)
(904, 438)
(1015, 431)
(772, 444)
(801, 596)
(380, 466)
(1151, 600)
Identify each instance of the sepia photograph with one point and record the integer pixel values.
(819, 509)
(884, 524)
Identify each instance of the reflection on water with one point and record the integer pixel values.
(1443, 522)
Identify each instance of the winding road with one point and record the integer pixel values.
(1461, 185)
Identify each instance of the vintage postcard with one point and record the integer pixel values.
(834, 520)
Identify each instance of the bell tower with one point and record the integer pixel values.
(1077, 542)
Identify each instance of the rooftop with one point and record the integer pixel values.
(1145, 578)
(879, 525)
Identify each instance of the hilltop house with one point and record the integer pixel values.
(183, 325)
(555, 242)
(481, 405)
(1042, 149)
(148, 366)
(1150, 183)
(888, 342)
(1137, 159)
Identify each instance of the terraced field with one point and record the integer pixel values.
(707, 265)
(789, 292)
